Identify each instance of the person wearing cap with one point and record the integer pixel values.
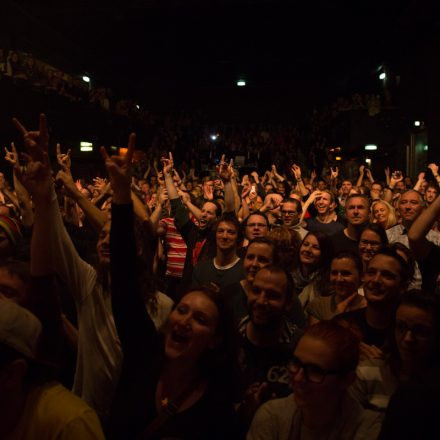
(31, 404)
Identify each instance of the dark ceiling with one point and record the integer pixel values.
(127, 43)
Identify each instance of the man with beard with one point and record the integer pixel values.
(431, 193)
(357, 211)
(267, 338)
(385, 280)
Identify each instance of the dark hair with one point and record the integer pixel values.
(280, 270)
(411, 261)
(341, 340)
(261, 214)
(326, 247)
(353, 256)
(232, 219)
(374, 227)
(427, 302)
(296, 202)
(287, 242)
(220, 364)
(267, 241)
(218, 207)
(390, 251)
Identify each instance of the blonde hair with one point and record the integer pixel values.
(391, 218)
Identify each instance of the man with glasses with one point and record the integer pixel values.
(255, 225)
(291, 211)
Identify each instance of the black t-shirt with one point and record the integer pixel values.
(332, 228)
(342, 243)
(430, 269)
(370, 335)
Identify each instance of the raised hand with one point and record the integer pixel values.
(434, 168)
(168, 165)
(421, 176)
(334, 173)
(396, 177)
(224, 170)
(361, 169)
(71, 188)
(119, 172)
(296, 171)
(313, 175)
(63, 159)
(254, 174)
(36, 142)
(12, 156)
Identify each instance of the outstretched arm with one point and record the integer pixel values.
(421, 226)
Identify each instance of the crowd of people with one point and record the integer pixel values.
(166, 301)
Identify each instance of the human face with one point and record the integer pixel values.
(410, 206)
(322, 185)
(267, 300)
(281, 189)
(316, 354)
(414, 331)
(380, 213)
(256, 226)
(258, 255)
(12, 287)
(423, 187)
(356, 211)
(344, 277)
(289, 214)
(376, 187)
(310, 252)
(431, 194)
(191, 327)
(346, 187)
(103, 245)
(369, 244)
(323, 203)
(382, 279)
(226, 236)
(208, 215)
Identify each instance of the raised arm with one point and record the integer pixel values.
(296, 171)
(420, 180)
(361, 176)
(421, 226)
(225, 172)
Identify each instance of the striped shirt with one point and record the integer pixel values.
(175, 248)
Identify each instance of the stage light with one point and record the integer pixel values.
(383, 75)
(137, 106)
(417, 123)
(86, 146)
(368, 161)
(86, 79)
(214, 137)
(241, 83)
(370, 147)
(425, 148)
(338, 158)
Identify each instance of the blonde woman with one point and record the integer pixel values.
(383, 214)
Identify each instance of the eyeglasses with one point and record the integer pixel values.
(254, 225)
(417, 331)
(373, 244)
(312, 373)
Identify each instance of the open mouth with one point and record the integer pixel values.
(179, 337)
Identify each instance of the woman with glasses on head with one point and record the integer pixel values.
(373, 238)
(322, 368)
(413, 350)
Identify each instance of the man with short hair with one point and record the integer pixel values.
(291, 211)
(326, 219)
(410, 206)
(267, 337)
(32, 405)
(357, 212)
(255, 225)
(226, 267)
(431, 193)
(385, 280)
